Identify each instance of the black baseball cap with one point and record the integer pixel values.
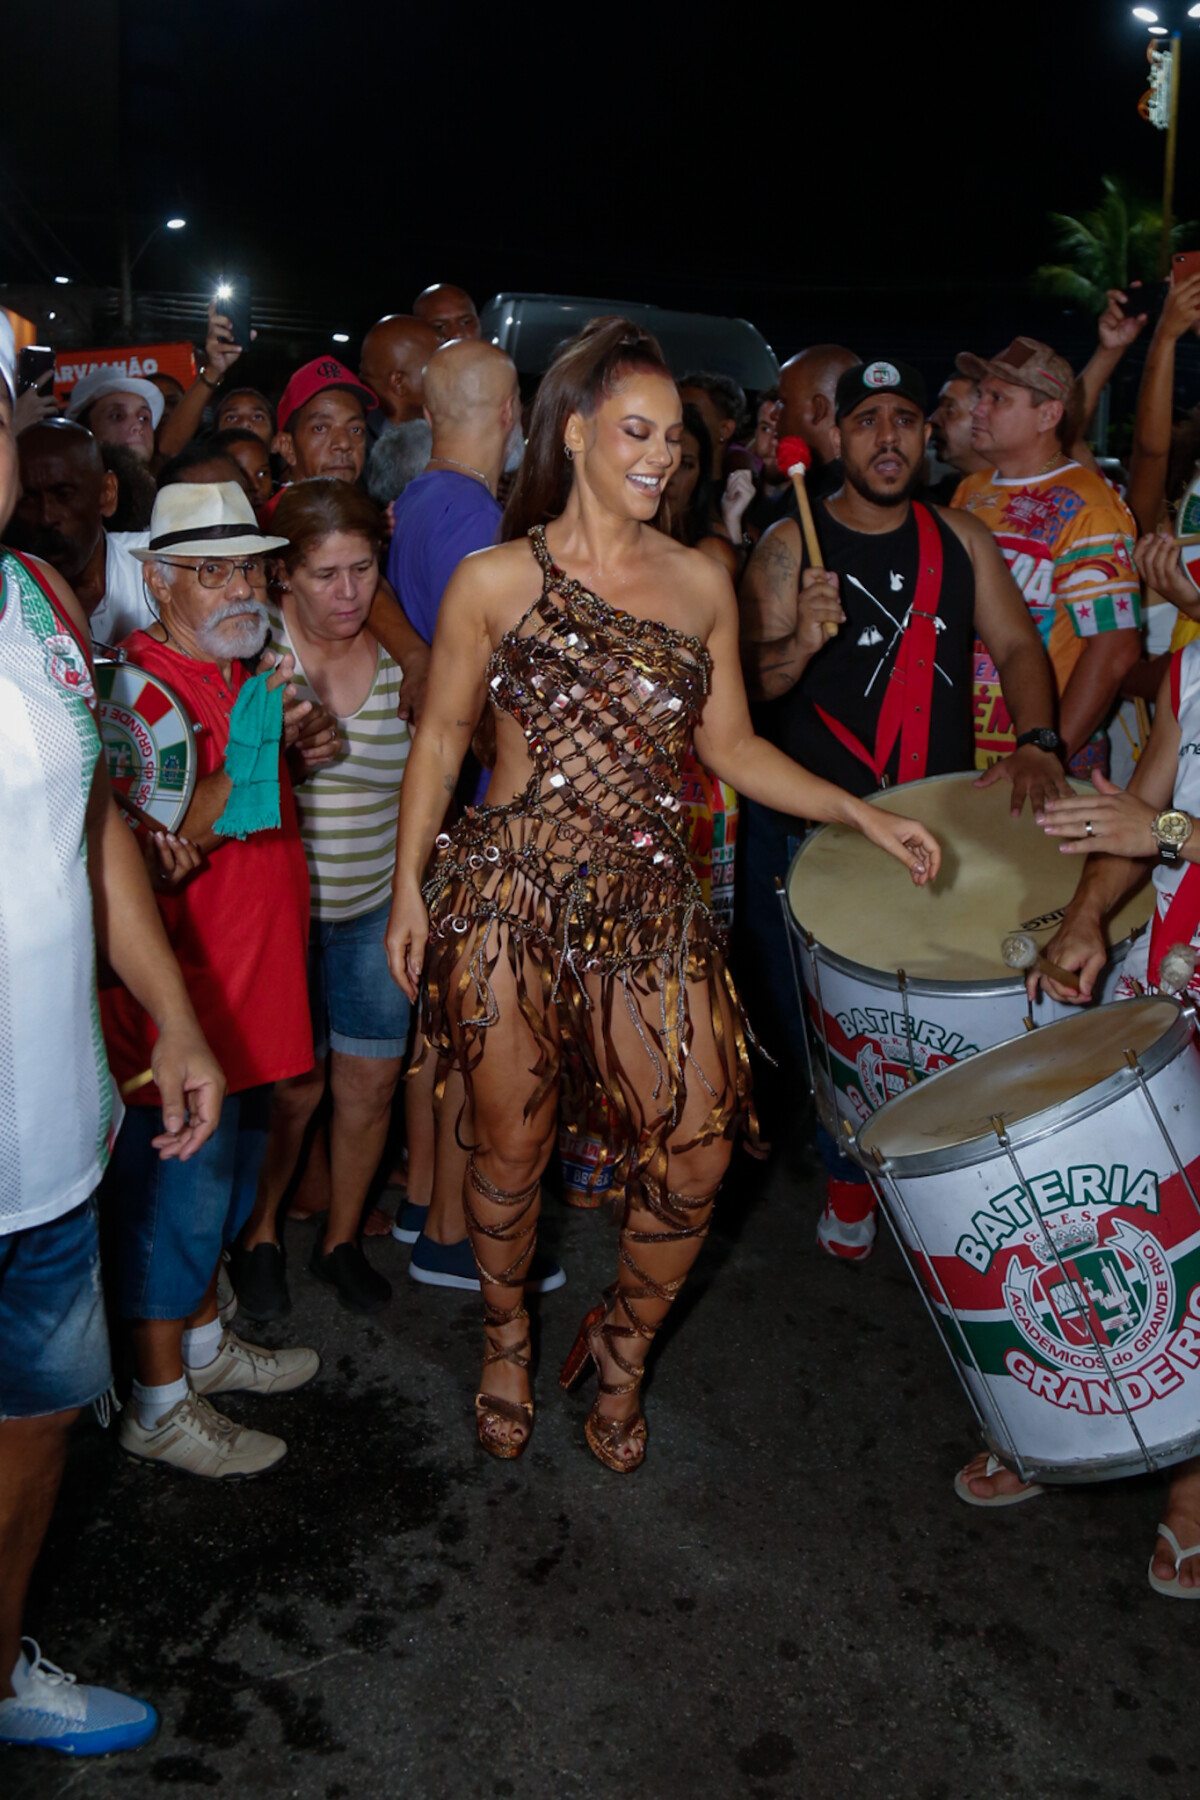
(865, 380)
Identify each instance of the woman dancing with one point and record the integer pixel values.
(564, 914)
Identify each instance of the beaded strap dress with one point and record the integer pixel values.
(583, 882)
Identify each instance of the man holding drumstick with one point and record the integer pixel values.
(884, 634)
(1119, 830)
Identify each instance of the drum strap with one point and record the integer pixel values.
(904, 713)
(61, 614)
(1181, 921)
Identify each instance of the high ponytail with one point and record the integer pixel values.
(584, 373)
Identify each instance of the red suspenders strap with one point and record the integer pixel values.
(1182, 918)
(904, 713)
(61, 614)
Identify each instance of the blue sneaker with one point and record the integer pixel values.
(50, 1711)
(410, 1222)
(453, 1266)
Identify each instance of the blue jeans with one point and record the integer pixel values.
(356, 1006)
(53, 1338)
(174, 1218)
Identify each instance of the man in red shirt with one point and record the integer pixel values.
(238, 924)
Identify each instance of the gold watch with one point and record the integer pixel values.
(1171, 831)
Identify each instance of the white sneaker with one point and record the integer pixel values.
(198, 1439)
(48, 1710)
(241, 1368)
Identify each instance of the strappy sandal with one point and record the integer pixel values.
(620, 1444)
(493, 1412)
(1171, 1589)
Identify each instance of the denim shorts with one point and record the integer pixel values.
(173, 1219)
(356, 1006)
(53, 1338)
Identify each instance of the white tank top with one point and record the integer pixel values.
(1186, 796)
(56, 1099)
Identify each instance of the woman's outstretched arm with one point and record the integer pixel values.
(726, 743)
(454, 700)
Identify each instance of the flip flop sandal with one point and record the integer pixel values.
(994, 1466)
(1171, 1589)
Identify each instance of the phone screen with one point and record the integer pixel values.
(233, 300)
(1184, 264)
(34, 363)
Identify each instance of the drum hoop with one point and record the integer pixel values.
(184, 797)
(1037, 1126)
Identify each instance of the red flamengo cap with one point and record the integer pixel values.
(324, 372)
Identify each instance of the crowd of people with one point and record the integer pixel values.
(483, 691)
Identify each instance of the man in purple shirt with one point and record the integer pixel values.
(473, 404)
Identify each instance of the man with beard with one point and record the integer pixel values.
(840, 716)
(238, 925)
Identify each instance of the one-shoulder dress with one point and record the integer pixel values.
(583, 883)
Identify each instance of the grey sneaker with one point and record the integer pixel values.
(199, 1440)
(241, 1368)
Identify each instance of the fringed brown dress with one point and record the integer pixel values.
(583, 883)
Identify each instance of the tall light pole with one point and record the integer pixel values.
(1160, 105)
(129, 264)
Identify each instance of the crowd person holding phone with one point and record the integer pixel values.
(221, 352)
(1067, 537)
(897, 574)
(449, 312)
(237, 918)
(72, 886)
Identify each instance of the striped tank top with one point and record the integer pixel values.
(348, 808)
(56, 1100)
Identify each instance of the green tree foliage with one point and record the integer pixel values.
(1115, 243)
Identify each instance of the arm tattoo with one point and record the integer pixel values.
(778, 567)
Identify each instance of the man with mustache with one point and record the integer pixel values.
(889, 560)
(238, 924)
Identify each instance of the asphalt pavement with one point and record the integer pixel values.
(785, 1603)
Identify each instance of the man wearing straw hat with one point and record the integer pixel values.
(238, 922)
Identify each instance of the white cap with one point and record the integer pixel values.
(111, 381)
(8, 356)
(205, 518)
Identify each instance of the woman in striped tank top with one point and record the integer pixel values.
(347, 808)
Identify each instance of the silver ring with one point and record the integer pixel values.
(1089, 828)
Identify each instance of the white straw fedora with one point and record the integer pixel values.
(204, 518)
(100, 382)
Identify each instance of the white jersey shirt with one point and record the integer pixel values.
(56, 1101)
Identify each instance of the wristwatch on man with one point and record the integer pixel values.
(1171, 831)
(1045, 738)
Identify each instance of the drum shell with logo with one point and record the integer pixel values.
(878, 1025)
(149, 740)
(1019, 1315)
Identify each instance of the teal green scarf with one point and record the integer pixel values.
(252, 761)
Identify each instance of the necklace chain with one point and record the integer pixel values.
(465, 468)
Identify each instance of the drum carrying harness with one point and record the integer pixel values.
(904, 713)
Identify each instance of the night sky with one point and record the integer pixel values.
(880, 174)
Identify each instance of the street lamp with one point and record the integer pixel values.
(1160, 104)
(129, 264)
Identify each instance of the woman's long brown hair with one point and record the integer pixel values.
(583, 374)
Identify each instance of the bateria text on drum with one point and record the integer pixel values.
(1045, 1197)
(897, 982)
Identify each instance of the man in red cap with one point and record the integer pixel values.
(323, 423)
(1066, 535)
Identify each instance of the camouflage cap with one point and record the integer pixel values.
(1026, 363)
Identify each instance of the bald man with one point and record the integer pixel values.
(394, 354)
(66, 495)
(807, 384)
(473, 404)
(449, 310)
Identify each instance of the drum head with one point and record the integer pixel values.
(1017, 1080)
(998, 874)
(148, 739)
(1187, 526)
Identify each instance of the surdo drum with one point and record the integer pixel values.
(149, 741)
(1045, 1197)
(897, 982)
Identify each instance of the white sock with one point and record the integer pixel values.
(154, 1403)
(201, 1344)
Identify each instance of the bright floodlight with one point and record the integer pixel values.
(176, 224)
(1158, 31)
(1194, 12)
(62, 281)
(341, 337)
(224, 292)
(1145, 15)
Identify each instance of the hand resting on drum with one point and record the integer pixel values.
(1112, 821)
(1159, 563)
(909, 842)
(1036, 776)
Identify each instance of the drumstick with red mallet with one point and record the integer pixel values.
(795, 458)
